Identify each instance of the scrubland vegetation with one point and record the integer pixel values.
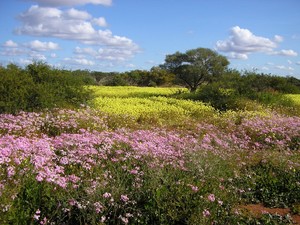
(72, 152)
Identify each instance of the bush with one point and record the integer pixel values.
(16, 89)
(272, 185)
(39, 86)
(220, 98)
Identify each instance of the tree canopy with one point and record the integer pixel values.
(196, 66)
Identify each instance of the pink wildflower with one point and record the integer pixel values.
(124, 220)
(37, 215)
(206, 213)
(134, 172)
(211, 197)
(124, 198)
(106, 195)
(98, 207)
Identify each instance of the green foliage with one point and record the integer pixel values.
(196, 66)
(270, 184)
(266, 219)
(16, 89)
(219, 98)
(39, 86)
(234, 91)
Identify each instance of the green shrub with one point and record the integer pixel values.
(270, 184)
(16, 89)
(39, 86)
(220, 98)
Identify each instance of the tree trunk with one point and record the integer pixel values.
(193, 89)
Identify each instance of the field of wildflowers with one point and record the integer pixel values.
(147, 160)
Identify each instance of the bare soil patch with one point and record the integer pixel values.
(258, 209)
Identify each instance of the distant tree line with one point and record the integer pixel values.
(204, 72)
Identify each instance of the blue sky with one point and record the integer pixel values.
(122, 35)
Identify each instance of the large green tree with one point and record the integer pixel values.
(196, 66)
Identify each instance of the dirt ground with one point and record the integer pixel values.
(258, 209)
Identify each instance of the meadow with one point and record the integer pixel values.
(141, 156)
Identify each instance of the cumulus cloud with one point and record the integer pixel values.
(284, 68)
(31, 49)
(37, 56)
(10, 44)
(37, 45)
(242, 42)
(285, 52)
(114, 54)
(235, 55)
(57, 3)
(85, 51)
(77, 14)
(80, 61)
(110, 54)
(100, 22)
(278, 38)
(130, 65)
(71, 25)
(25, 61)
(12, 51)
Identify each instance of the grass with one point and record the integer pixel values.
(147, 158)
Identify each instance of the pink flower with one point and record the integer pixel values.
(194, 188)
(206, 213)
(98, 207)
(44, 221)
(124, 198)
(37, 215)
(124, 220)
(211, 197)
(134, 172)
(106, 195)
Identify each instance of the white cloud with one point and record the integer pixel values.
(12, 51)
(109, 54)
(285, 52)
(37, 56)
(284, 68)
(114, 54)
(130, 66)
(37, 45)
(278, 38)
(100, 22)
(52, 22)
(10, 44)
(265, 68)
(72, 2)
(298, 63)
(85, 51)
(234, 55)
(80, 61)
(25, 61)
(31, 49)
(244, 41)
(76, 14)
(289, 62)
(53, 55)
